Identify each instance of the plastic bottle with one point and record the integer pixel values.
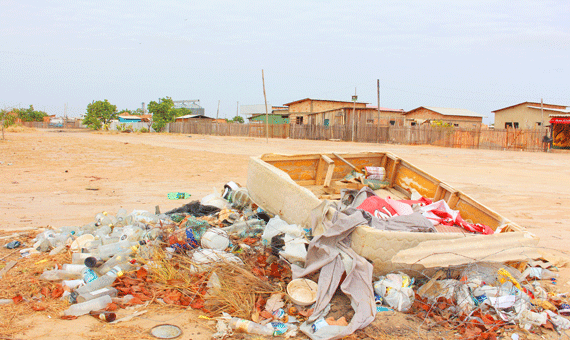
(76, 268)
(89, 275)
(88, 306)
(105, 316)
(119, 258)
(101, 282)
(108, 250)
(110, 291)
(250, 327)
(59, 274)
(79, 258)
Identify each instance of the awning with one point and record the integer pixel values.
(560, 120)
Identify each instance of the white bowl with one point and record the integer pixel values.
(302, 292)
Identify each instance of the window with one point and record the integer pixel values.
(455, 124)
(413, 124)
(508, 125)
(392, 122)
(326, 122)
(516, 125)
(299, 120)
(370, 121)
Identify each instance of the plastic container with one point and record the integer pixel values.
(101, 282)
(110, 291)
(59, 274)
(89, 275)
(108, 250)
(215, 238)
(250, 327)
(88, 306)
(303, 292)
(79, 258)
(120, 258)
(77, 268)
(72, 284)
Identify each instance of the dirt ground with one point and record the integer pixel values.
(58, 178)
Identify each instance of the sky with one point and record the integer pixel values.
(478, 55)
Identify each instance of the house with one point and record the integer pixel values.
(456, 117)
(364, 115)
(272, 118)
(301, 111)
(527, 115)
(256, 114)
(194, 118)
(127, 118)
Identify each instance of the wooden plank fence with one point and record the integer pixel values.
(499, 139)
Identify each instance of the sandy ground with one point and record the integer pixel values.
(56, 178)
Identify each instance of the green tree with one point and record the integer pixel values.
(162, 112)
(237, 119)
(99, 114)
(125, 112)
(30, 115)
(7, 117)
(182, 111)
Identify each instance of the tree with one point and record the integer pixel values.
(99, 114)
(30, 115)
(125, 112)
(237, 119)
(162, 112)
(8, 117)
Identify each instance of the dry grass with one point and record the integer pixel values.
(19, 129)
(237, 292)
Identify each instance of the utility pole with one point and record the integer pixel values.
(541, 114)
(378, 90)
(217, 114)
(266, 111)
(354, 99)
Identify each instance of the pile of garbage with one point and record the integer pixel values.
(253, 272)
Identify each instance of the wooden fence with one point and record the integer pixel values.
(502, 139)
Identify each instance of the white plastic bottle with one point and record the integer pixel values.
(122, 257)
(87, 306)
(101, 282)
(110, 291)
(108, 250)
(250, 327)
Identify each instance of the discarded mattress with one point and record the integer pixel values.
(292, 186)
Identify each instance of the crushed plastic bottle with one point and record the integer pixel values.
(101, 282)
(250, 327)
(88, 306)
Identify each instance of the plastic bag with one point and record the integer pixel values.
(277, 226)
(396, 291)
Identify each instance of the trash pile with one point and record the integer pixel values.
(250, 271)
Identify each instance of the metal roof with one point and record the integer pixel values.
(567, 110)
(450, 111)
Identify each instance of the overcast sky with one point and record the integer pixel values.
(476, 55)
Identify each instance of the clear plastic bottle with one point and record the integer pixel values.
(108, 250)
(88, 306)
(79, 258)
(89, 275)
(59, 274)
(250, 327)
(122, 257)
(78, 268)
(110, 291)
(101, 282)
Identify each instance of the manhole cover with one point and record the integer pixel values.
(166, 331)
